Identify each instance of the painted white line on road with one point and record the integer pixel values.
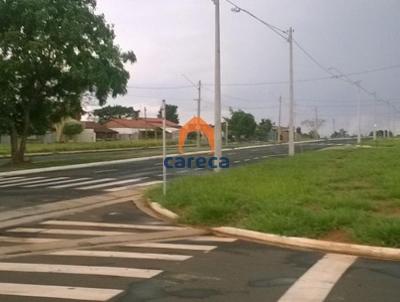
(57, 182)
(158, 164)
(256, 158)
(19, 180)
(182, 171)
(115, 183)
(79, 270)
(27, 240)
(34, 182)
(67, 232)
(150, 183)
(105, 171)
(82, 183)
(211, 239)
(58, 292)
(111, 225)
(173, 246)
(318, 281)
(198, 169)
(113, 254)
(10, 178)
(116, 189)
(237, 161)
(247, 159)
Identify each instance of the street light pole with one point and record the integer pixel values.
(217, 100)
(291, 93)
(164, 116)
(279, 120)
(198, 114)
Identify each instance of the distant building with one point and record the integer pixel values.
(101, 131)
(131, 129)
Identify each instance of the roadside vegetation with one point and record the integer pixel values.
(347, 195)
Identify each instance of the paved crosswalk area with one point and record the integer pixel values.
(106, 184)
(200, 268)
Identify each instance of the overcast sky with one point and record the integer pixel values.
(175, 37)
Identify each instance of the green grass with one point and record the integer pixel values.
(60, 147)
(346, 195)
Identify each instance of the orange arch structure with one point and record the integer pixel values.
(194, 125)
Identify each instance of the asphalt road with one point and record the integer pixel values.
(30, 189)
(202, 268)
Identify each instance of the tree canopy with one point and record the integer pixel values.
(51, 53)
(171, 113)
(263, 129)
(242, 124)
(107, 113)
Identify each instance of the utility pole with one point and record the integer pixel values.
(291, 94)
(217, 101)
(198, 113)
(145, 120)
(375, 125)
(316, 123)
(164, 116)
(279, 120)
(226, 133)
(359, 113)
(333, 125)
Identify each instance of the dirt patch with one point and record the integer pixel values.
(338, 236)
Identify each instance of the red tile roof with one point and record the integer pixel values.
(140, 123)
(98, 128)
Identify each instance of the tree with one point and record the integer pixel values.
(171, 113)
(72, 128)
(242, 124)
(263, 129)
(107, 113)
(314, 126)
(340, 134)
(51, 54)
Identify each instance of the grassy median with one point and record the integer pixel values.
(348, 195)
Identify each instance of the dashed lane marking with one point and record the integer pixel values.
(67, 232)
(34, 182)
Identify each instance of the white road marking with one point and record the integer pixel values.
(182, 171)
(115, 183)
(111, 225)
(105, 171)
(57, 182)
(247, 159)
(10, 178)
(34, 182)
(58, 292)
(67, 232)
(198, 169)
(150, 183)
(79, 270)
(318, 281)
(256, 158)
(113, 254)
(27, 240)
(82, 183)
(190, 247)
(211, 239)
(19, 180)
(116, 189)
(237, 161)
(158, 164)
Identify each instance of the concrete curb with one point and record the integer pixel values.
(163, 212)
(381, 253)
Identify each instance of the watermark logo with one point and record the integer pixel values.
(196, 124)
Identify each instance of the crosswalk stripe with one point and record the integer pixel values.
(211, 239)
(10, 178)
(150, 183)
(114, 254)
(190, 247)
(58, 292)
(82, 183)
(67, 232)
(33, 182)
(109, 184)
(110, 225)
(57, 182)
(19, 180)
(27, 240)
(116, 189)
(79, 270)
